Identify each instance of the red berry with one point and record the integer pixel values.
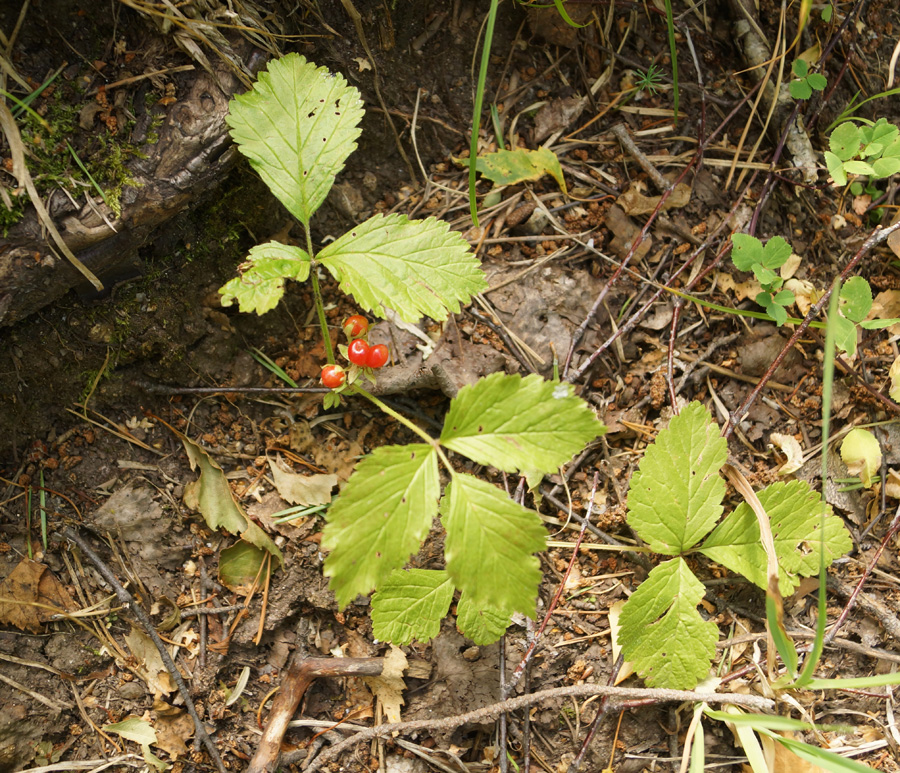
(355, 326)
(357, 352)
(333, 376)
(377, 356)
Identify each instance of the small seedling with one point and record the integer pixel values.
(805, 81)
(749, 254)
(650, 80)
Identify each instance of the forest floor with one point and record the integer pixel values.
(95, 388)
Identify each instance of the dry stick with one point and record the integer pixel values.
(755, 702)
(579, 332)
(878, 236)
(125, 598)
(851, 601)
(602, 711)
(301, 674)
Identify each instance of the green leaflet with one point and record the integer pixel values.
(489, 545)
(380, 518)
(416, 267)
(261, 284)
(297, 126)
(676, 495)
(794, 512)
(515, 423)
(410, 605)
(662, 632)
(481, 625)
(508, 167)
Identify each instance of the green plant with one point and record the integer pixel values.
(805, 81)
(871, 150)
(297, 126)
(674, 504)
(749, 254)
(649, 81)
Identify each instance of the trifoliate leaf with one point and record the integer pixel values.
(489, 546)
(410, 605)
(861, 453)
(416, 267)
(297, 125)
(261, 283)
(795, 515)
(514, 423)
(508, 167)
(856, 299)
(676, 495)
(380, 518)
(747, 251)
(662, 632)
(482, 625)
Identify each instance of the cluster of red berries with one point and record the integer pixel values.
(358, 352)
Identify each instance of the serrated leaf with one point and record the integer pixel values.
(856, 299)
(795, 513)
(261, 283)
(783, 298)
(747, 251)
(416, 267)
(490, 545)
(482, 625)
(380, 518)
(776, 252)
(514, 423)
(844, 334)
(676, 495)
(410, 605)
(508, 167)
(776, 312)
(835, 169)
(662, 632)
(297, 125)
(844, 141)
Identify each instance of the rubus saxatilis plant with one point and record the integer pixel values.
(297, 126)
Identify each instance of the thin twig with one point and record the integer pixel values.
(513, 704)
(125, 598)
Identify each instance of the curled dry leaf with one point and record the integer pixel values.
(894, 375)
(790, 447)
(302, 489)
(861, 453)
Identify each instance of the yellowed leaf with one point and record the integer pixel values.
(389, 687)
(302, 489)
(627, 667)
(790, 447)
(150, 667)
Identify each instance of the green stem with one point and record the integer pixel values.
(476, 113)
(317, 297)
(403, 420)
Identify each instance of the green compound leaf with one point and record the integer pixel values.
(795, 514)
(800, 89)
(297, 126)
(514, 423)
(508, 167)
(747, 251)
(661, 631)
(482, 626)
(416, 267)
(675, 497)
(261, 284)
(776, 252)
(380, 518)
(489, 546)
(856, 299)
(410, 605)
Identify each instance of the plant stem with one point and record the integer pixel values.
(317, 296)
(476, 113)
(403, 420)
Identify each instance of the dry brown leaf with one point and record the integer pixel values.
(29, 584)
(633, 202)
(790, 447)
(173, 727)
(389, 687)
(302, 489)
(627, 668)
(887, 306)
(150, 667)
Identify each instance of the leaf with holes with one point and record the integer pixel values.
(514, 423)
(415, 267)
(380, 518)
(297, 125)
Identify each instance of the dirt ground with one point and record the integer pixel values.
(92, 388)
